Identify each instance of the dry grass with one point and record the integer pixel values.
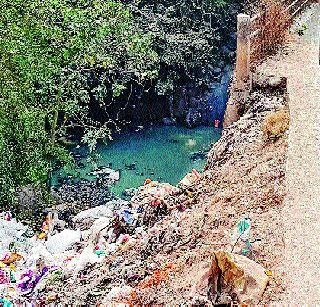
(274, 24)
(276, 124)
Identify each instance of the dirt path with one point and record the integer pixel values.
(302, 207)
(301, 213)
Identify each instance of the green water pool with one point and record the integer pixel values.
(160, 153)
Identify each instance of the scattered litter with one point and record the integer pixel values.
(243, 234)
(11, 258)
(269, 273)
(190, 179)
(63, 241)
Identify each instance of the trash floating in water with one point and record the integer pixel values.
(149, 153)
(191, 143)
(105, 171)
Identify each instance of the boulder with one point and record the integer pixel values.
(229, 277)
(202, 278)
(239, 276)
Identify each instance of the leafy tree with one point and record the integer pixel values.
(55, 57)
(59, 58)
(187, 35)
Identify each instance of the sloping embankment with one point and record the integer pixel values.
(244, 178)
(159, 248)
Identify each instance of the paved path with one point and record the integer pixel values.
(301, 214)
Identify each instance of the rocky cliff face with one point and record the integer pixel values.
(194, 106)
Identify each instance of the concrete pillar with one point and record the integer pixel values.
(243, 51)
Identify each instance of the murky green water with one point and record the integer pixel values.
(159, 153)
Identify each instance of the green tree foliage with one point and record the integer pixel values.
(58, 58)
(187, 35)
(55, 55)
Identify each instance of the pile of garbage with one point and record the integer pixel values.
(163, 245)
(33, 266)
(123, 252)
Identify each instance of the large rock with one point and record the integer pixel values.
(202, 283)
(229, 276)
(239, 276)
